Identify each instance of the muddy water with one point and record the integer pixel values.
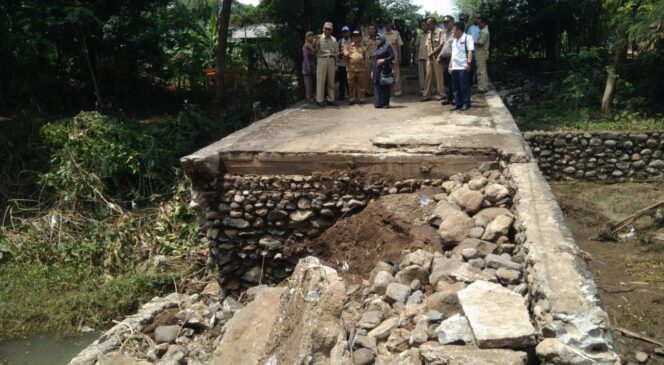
(47, 349)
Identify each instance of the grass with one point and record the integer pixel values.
(554, 117)
(60, 298)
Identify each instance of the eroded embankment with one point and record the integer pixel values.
(474, 268)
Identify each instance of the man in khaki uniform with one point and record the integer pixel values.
(445, 57)
(370, 46)
(482, 55)
(434, 44)
(327, 51)
(421, 54)
(393, 38)
(356, 54)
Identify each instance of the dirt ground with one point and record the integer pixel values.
(383, 231)
(629, 274)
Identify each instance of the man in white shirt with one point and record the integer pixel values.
(460, 66)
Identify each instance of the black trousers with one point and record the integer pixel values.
(343, 81)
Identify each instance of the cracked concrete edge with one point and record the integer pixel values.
(563, 294)
(499, 111)
(112, 338)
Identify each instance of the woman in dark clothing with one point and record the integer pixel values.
(309, 67)
(381, 65)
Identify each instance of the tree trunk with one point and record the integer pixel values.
(224, 19)
(610, 88)
(88, 62)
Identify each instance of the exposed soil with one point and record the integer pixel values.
(386, 229)
(629, 274)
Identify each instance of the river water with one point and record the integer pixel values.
(47, 349)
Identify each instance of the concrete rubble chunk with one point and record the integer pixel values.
(381, 281)
(384, 329)
(497, 316)
(483, 247)
(397, 293)
(363, 356)
(418, 257)
(455, 331)
(365, 341)
(455, 229)
(496, 192)
(410, 273)
(381, 266)
(498, 227)
(419, 334)
(556, 352)
(248, 332)
(470, 355)
(166, 334)
(498, 261)
(446, 303)
(309, 326)
(468, 200)
(370, 319)
(397, 341)
(486, 215)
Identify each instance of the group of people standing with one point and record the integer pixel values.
(367, 62)
(453, 58)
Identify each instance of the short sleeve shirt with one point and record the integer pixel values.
(474, 32)
(356, 57)
(422, 45)
(460, 48)
(343, 43)
(327, 47)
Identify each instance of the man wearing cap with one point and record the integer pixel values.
(482, 54)
(393, 38)
(370, 46)
(421, 53)
(445, 56)
(434, 44)
(343, 62)
(356, 54)
(327, 51)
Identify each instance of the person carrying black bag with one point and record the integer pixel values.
(382, 76)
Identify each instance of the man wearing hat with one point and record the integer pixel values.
(356, 54)
(434, 44)
(327, 51)
(343, 62)
(393, 38)
(445, 56)
(370, 46)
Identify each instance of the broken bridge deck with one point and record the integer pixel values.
(410, 139)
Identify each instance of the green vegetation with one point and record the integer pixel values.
(591, 65)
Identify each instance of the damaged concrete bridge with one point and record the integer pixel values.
(409, 235)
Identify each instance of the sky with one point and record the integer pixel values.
(442, 7)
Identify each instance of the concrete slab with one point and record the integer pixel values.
(247, 333)
(303, 139)
(564, 296)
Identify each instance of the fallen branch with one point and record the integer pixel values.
(636, 216)
(632, 334)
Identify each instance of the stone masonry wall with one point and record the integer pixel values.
(599, 156)
(255, 225)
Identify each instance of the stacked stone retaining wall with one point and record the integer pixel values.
(255, 225)
(599, 156)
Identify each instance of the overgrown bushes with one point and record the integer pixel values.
(570, 98)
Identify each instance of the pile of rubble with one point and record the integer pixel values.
(170, 330)
(473, 293)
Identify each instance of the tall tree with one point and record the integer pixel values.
(224, 20)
